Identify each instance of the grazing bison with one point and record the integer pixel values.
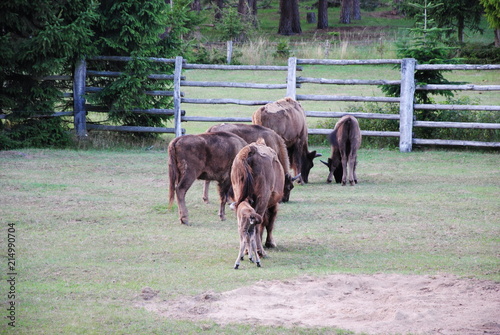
(203, 156)
(251, 133)
(287, 118)
(345, 140)
(258, 178)
(248, 219)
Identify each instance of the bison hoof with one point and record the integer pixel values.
(236, 266)
(258, 264)
(270, 245)
(328, 181)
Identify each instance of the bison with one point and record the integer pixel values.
(251, 133)
(248, 219)
(287, 118)
(345, 140)
(258, 178)
(206, 156)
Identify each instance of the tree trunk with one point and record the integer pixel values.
(289, 18)
(497, 38)
(356, 10)
(460, 29)
(322, 14)
(218, 10)
(242, 7)
(345, 11)
(196, 6)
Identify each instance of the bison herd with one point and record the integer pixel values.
(252, 163)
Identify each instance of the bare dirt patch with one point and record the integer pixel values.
(374, 304)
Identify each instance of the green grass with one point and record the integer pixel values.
(93, 229)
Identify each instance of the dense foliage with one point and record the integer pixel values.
(37, 39)
(45, 37)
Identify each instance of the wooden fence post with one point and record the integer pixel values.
(406, 104)
(229, 53)
(291, 80)
(79, 113)
(177, 96)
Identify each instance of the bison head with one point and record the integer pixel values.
(335, 167)
(307, 165)
(288, 186)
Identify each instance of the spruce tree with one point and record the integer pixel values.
(140, 29)
(37, 39)
(425, 44)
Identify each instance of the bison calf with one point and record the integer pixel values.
(248, 220)
(345, 140)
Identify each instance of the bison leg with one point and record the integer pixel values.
(344, 168)
(258, 240)
(223, 199)
(240, 254)
(205, 191)
(184, 184)
(355, 159)
(271, 217)
(252, 246)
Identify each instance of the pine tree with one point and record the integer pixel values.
(426, 46)
(39, 38)
(492, 10)
(147, 28)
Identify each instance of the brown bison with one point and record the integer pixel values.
(345, 140)
(205, 156)
(288, 119)
(258, 178)
(248, 219)
(251, 133)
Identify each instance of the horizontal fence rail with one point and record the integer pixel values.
(294, 82)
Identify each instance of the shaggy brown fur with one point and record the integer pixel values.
(247, 221)
(287, 118)
(206, 156)
(258, 178)
(345, 140)
(251, 133)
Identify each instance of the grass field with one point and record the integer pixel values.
(93, 229)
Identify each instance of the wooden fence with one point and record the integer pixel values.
(294, 82)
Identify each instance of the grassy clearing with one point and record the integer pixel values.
(93, 230)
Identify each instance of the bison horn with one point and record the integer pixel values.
(296, 177)
(318, 155)
(324, 162)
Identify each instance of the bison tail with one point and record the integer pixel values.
(172, 174)
(247, 184)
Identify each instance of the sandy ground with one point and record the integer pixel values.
(374, 304)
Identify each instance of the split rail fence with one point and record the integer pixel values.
(406, 103)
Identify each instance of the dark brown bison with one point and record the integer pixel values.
(287, 118)
(206, 156)
(251, 133)
(345, 140)
(248, 219)
(258, 178)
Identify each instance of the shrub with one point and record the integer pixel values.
(477, 53)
